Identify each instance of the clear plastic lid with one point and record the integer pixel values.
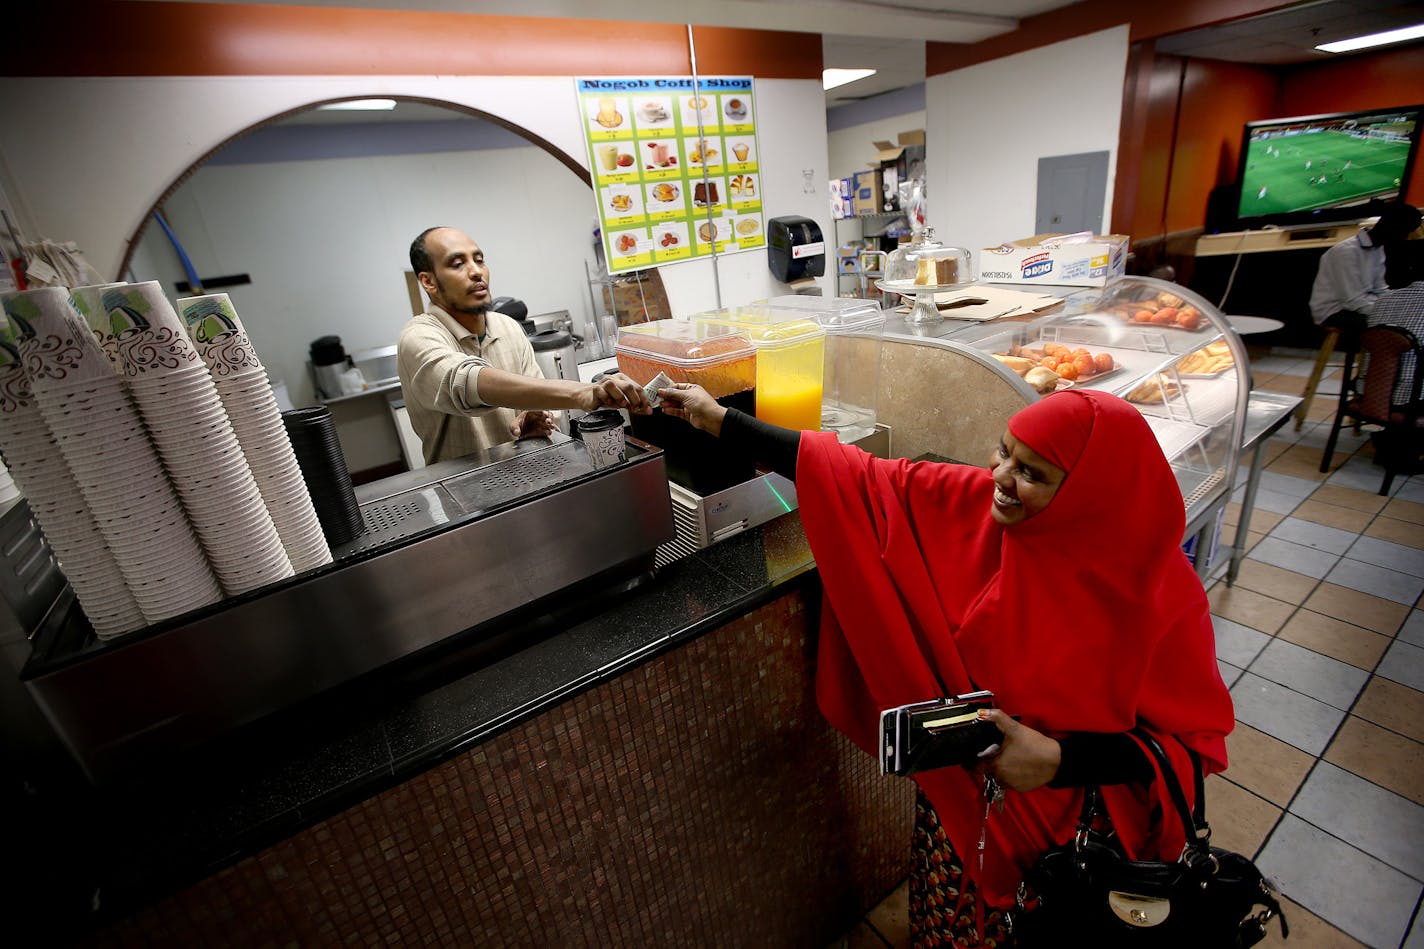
(765, 326)
(684, 342)
(835, 314)
(720, 359)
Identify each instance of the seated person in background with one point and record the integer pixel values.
(1404, 307)
(949, 577)
(1351, 275)
(465, 369)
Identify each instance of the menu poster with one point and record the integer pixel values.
(675, 167)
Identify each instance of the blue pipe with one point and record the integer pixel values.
(194, 283)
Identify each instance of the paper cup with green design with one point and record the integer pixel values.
(150, 337)
(89, 303)
(16, 393)
(58, 351)
(215, 328)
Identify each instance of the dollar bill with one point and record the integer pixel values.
(660, 381)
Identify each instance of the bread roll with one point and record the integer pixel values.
(1018, 364)
(1043, 379)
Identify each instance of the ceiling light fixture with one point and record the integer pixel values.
(831, 78)
(361, 105)
(1374, 39)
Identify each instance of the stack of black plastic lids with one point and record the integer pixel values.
(318, 451)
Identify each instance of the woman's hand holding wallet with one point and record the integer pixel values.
(1025, 759)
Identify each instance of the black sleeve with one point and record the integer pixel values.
(1101, 758)
(772, 445)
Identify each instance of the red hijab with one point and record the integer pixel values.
(1085, 617)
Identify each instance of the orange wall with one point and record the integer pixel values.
(1218, 98)
(139, 38)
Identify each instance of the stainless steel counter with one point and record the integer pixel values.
(446, 548)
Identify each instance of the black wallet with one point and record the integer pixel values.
(937, 734)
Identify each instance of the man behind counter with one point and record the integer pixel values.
(465, 369)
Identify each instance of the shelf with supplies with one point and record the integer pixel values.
(872, 227)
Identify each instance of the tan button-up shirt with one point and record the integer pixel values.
(439, 363)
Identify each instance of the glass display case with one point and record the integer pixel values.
(1163, 348)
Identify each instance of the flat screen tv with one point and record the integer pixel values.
(1325, 168)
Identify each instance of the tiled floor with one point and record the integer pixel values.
(1321, 641)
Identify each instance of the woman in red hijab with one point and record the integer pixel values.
(1055, 579)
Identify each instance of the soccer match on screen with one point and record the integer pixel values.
(1325, 163)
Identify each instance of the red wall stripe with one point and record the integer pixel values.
(131, 38)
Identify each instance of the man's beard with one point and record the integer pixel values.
(470, 309)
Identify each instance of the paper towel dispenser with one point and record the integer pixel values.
(795, 248)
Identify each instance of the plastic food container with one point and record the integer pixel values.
(854, 330)
(722, 361)
(790, 361)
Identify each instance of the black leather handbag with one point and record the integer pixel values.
(1086, 892)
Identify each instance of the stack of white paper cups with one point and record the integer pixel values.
(57, 504)
(107, 450)
(242, 386)
(186, 421)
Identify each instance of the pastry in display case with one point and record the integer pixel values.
(1156, 344)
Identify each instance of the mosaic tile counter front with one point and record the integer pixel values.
(699, 799)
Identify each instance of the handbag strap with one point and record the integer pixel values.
(1193, 820)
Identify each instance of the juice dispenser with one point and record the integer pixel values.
(720, 359)
(852, 367)
(790, 356)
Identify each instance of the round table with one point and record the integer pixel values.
(1246, 325)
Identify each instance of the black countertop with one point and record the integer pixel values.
(94, 854)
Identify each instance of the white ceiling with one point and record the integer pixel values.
(890, 35)
(1290, 35)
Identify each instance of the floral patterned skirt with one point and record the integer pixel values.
(943, 901)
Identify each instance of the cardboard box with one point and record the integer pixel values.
(868, 192)
(899, 161)
(841, 205)
(1071, 260)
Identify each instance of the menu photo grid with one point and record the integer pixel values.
(664, 154)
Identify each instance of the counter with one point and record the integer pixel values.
(643, 764)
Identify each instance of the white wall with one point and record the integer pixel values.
(989, 124)
(89, 157)
(850, 149)
(791, 136)
(326, 242)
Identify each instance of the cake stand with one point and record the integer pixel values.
(924, 310)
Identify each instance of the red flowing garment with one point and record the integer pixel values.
(1085, 617)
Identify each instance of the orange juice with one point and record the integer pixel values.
(790, 356)
(793, 403)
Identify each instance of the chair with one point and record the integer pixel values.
(1370, 399)
(1322, 357)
